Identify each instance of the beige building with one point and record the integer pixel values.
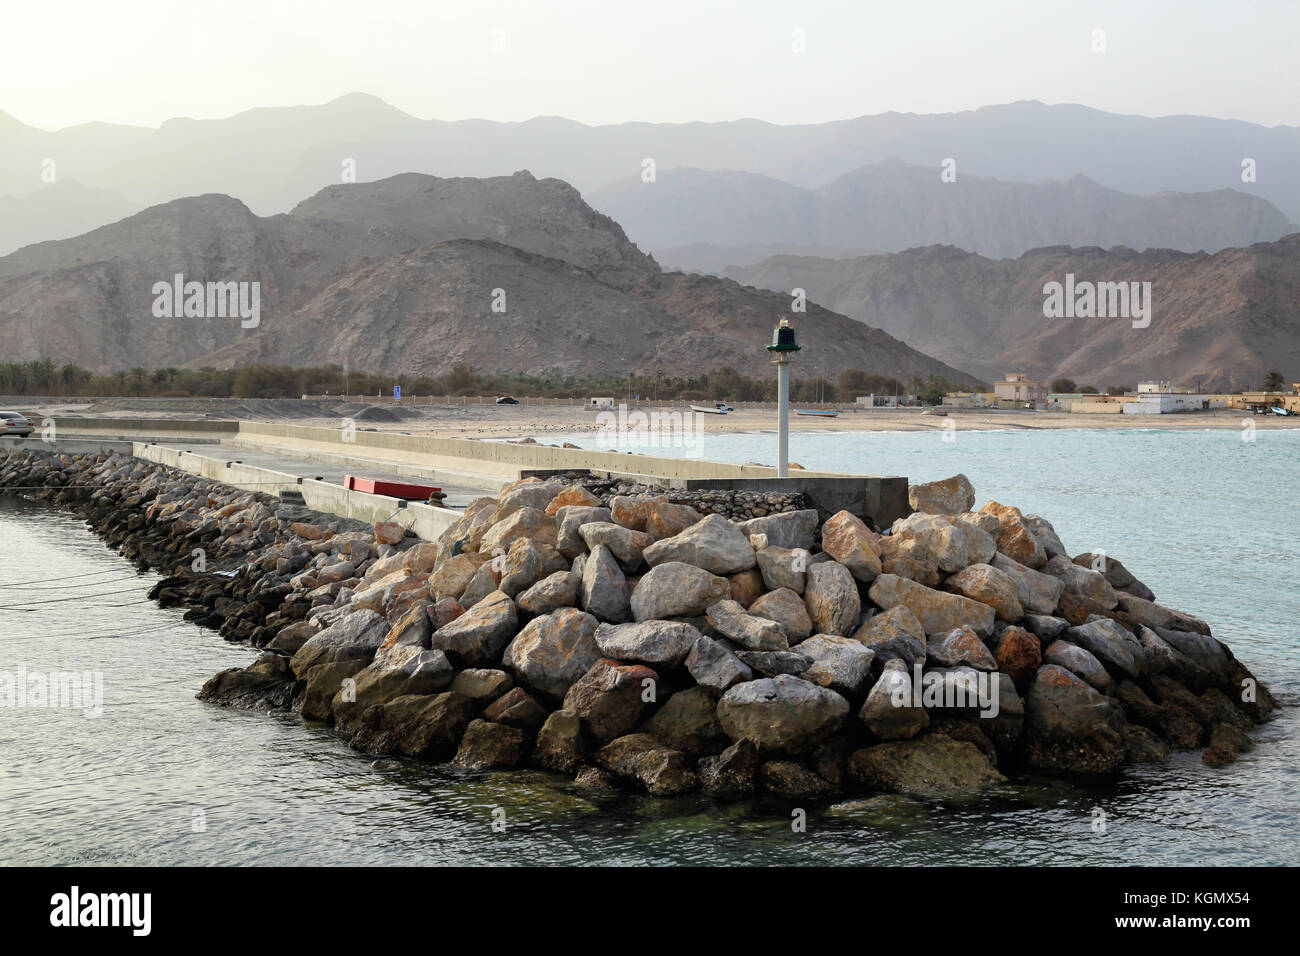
(1017, 387)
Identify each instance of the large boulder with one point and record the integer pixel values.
(911, 558)
(323, 682)
(531, 523)
(516, 708)
(784, 567)
(932, 764)
(560, 744)
(688, 721)
(657, 643)
(481, 684)
(527, 493)
(1080, 663)
(569, 520)
(955, 544)
(895, 634)
(625, 544)
(1110, 643)
(453, 574)
(750, 631)
(1039, 593)
(1082, 582)
(611, 698)
(488, 746)
(787, 609)
(1152, 614)
(355, 637)
(988, 585)
(1019, 653)
(1015, 539)
(572, 496)
(1120, 578)
(415, 725)
(676, 589)
(890, 710)
(730, 774)
(774, 663)
(554, 650)
(520, 567)
(961, 646)
(937, 611)
(398, 671)
(477, 637)
(1042, 529)
(266, 684)
(713, 665)
(831, 596)
(951, 496)
(847, 539)
(604, 592)
(840, 663)
(550, 593)
(1071, 727)
(781, 714)
(663, 519)
(713, 544)
(642, 759)
(789, 529)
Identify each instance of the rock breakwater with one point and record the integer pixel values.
(630, 640)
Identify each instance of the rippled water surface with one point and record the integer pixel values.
(1208, 521)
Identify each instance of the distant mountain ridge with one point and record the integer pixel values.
(272, 157)
(895, 206)
(410, 275)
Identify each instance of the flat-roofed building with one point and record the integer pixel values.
(1019, 388)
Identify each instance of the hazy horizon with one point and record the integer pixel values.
(597, 64)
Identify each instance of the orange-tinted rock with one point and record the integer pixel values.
(1019, 655)
(631, 512)
(746, 587)
(1015, 539)
(389, 532)
(311, 532)
(572, 495)
(988, 585)
(847, 539)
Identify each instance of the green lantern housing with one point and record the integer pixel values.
(783, 338)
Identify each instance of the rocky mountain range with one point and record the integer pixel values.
(1218, 320)
(271, 158)
(410, 275)
(695, 219)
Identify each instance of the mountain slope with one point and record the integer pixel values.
(1220, 319)
(403, 276)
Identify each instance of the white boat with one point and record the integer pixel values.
(719, 410)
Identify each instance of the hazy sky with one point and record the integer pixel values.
(608, 61)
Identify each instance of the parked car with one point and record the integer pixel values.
(12, 423)
(507, 400)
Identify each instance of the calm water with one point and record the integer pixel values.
(1205, 519)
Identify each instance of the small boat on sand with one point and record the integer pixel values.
(831, 413)
(720, 409)
(1277, 410)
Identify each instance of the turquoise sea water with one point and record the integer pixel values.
(1206, 520)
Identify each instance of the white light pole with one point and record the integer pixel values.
(782, 348)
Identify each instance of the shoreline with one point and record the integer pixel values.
(519, 421)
